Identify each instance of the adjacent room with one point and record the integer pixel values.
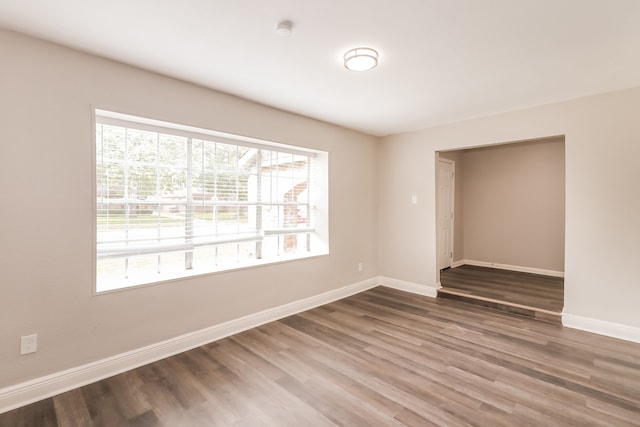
(506, 213)
(290, 213)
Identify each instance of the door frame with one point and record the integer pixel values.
(452, 163)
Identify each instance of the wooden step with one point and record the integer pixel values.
(509, 307)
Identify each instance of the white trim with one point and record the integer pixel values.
(614, 330)
(512, 267)
(50, 385)
(415, 288)
(457, 263)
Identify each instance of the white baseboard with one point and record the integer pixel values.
(521, 269)
(457, 263)
(40, 388)
(615, 330)
(429, 291)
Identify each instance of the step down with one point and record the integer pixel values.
(509, 307)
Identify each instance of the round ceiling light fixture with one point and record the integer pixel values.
(361, 59)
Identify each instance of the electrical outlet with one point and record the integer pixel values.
(28, 344)
(360, 266)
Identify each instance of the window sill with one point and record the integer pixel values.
(129, 284)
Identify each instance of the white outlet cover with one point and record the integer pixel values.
(28, 344)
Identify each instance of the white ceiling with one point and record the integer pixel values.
(440, 60)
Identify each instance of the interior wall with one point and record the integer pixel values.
(601, 209)
(514, 204)
(46, 220)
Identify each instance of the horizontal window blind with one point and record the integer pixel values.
(175, 203)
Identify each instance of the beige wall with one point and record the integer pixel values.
(46, 216)
(514, 204)
(602, 208)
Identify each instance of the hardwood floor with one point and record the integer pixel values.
(379, 358)
(532, 295)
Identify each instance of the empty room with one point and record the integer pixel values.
(231, 213)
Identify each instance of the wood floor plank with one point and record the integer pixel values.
(71, 409)
(260, 374)
(381, 358)
(37, 414)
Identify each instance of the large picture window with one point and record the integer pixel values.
(173, 201)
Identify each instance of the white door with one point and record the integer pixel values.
(446, 170)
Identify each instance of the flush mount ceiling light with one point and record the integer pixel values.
(361, 59)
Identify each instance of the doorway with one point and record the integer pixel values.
(508, 225)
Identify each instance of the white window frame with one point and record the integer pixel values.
(316, 232)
